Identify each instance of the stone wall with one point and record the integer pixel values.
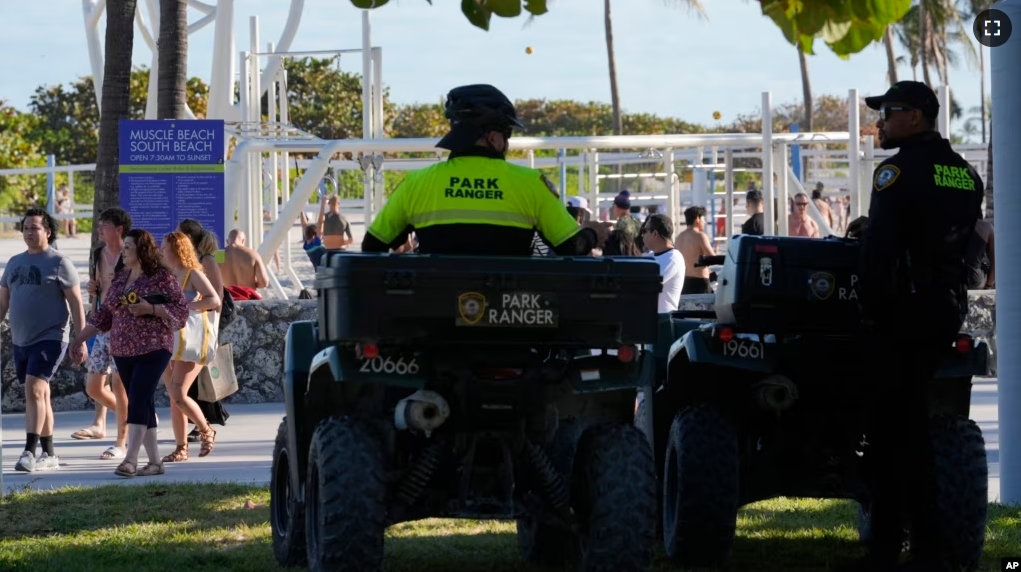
(258, 340)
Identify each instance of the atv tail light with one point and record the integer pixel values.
(369, 350)
(725, 334)
(499, 373)
(767, 248)
(964, 344)
(626, 353)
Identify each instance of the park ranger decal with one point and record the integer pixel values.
(822, 284)
(549, 185)
(471, 307)
(886, 176)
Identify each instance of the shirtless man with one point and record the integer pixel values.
(114, 223)
(334, 229)
(241, 265)
(694, 242)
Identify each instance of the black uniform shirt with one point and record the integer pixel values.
(925, 202)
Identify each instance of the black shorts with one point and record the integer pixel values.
(694, 285)
(40, 359)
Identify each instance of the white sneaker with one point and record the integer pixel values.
(47, 463)
(26, 463)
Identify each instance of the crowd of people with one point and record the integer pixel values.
(155, 312)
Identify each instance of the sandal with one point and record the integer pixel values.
(125, 469)
(151, 469)
(208, 440)
(180, 454)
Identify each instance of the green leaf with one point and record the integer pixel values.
(833, 32)
(505, 8)
(368, 4)
(476, 13)
(536, 7)
(858, 37)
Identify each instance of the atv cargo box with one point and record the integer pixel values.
(579, 302)
(790, 284)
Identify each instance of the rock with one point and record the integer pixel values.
(257, 339)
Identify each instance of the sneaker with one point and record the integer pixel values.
(26, 463)
(47, 463)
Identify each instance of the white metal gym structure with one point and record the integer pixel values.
(264, 146)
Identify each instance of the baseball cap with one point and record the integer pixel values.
(578, 202)
(623, 200)
(912, 93)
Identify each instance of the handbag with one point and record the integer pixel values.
(196, 341)
(217, 380)
(228, 309)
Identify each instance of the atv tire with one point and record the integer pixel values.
(962, 488)
(614, 497)
(700, 489)
(962, 485)
(545, 543)
(345, 498)
(287, 514)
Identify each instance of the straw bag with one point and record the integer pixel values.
(197, 340)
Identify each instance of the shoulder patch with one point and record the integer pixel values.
(885, 176)
(549, 185)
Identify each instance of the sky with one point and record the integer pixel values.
(669, 61)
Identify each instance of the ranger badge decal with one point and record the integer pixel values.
(886, 176)
(822, 285)
(471, 307)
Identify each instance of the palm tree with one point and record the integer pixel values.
(172, 92)
(806, 89)
(618, 122)
(891, 59)
(119, 43)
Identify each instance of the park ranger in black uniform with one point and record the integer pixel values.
(925, 202)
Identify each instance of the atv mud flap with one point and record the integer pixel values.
(699, 347)
(300, 346)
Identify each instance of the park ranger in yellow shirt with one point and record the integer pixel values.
(475, 202)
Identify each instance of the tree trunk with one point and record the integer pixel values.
(119, 42)
(924, 41)
(989, 176)
(891, 59)
(618, 123)
(618, 120)
(172, 86)
(806, 90)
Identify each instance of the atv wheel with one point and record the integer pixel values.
(700, 489)
(547, 543)
(287, 515)
(962, 485)
(614, 496)
(345, 498)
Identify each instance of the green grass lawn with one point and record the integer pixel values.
(214, 527)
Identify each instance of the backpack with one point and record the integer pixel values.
(228, 312)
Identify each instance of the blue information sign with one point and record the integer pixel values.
(170, 170)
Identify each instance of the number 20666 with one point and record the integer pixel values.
(744, 349)
(389, 365)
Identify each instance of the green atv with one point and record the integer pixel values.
(466, 387)
(763, 397)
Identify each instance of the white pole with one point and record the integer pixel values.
(728, 184)
(943, 95)
(782, 192)
(767, 164)
(854, 153)
(593, 182)
(255, 199)
(1007, 172)
(221, 80)
(671, 181)
(240, 200)
(377, 124)
(367, 185)
(274, 156)
(868, 166)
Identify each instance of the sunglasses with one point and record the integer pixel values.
(886, 112)
(801, 204)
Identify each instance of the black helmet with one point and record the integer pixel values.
(474, 109)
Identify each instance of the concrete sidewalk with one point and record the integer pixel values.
(243, 453)
(244, 447)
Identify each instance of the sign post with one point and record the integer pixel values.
(171, 170)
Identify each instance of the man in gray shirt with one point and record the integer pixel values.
(37, 287)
